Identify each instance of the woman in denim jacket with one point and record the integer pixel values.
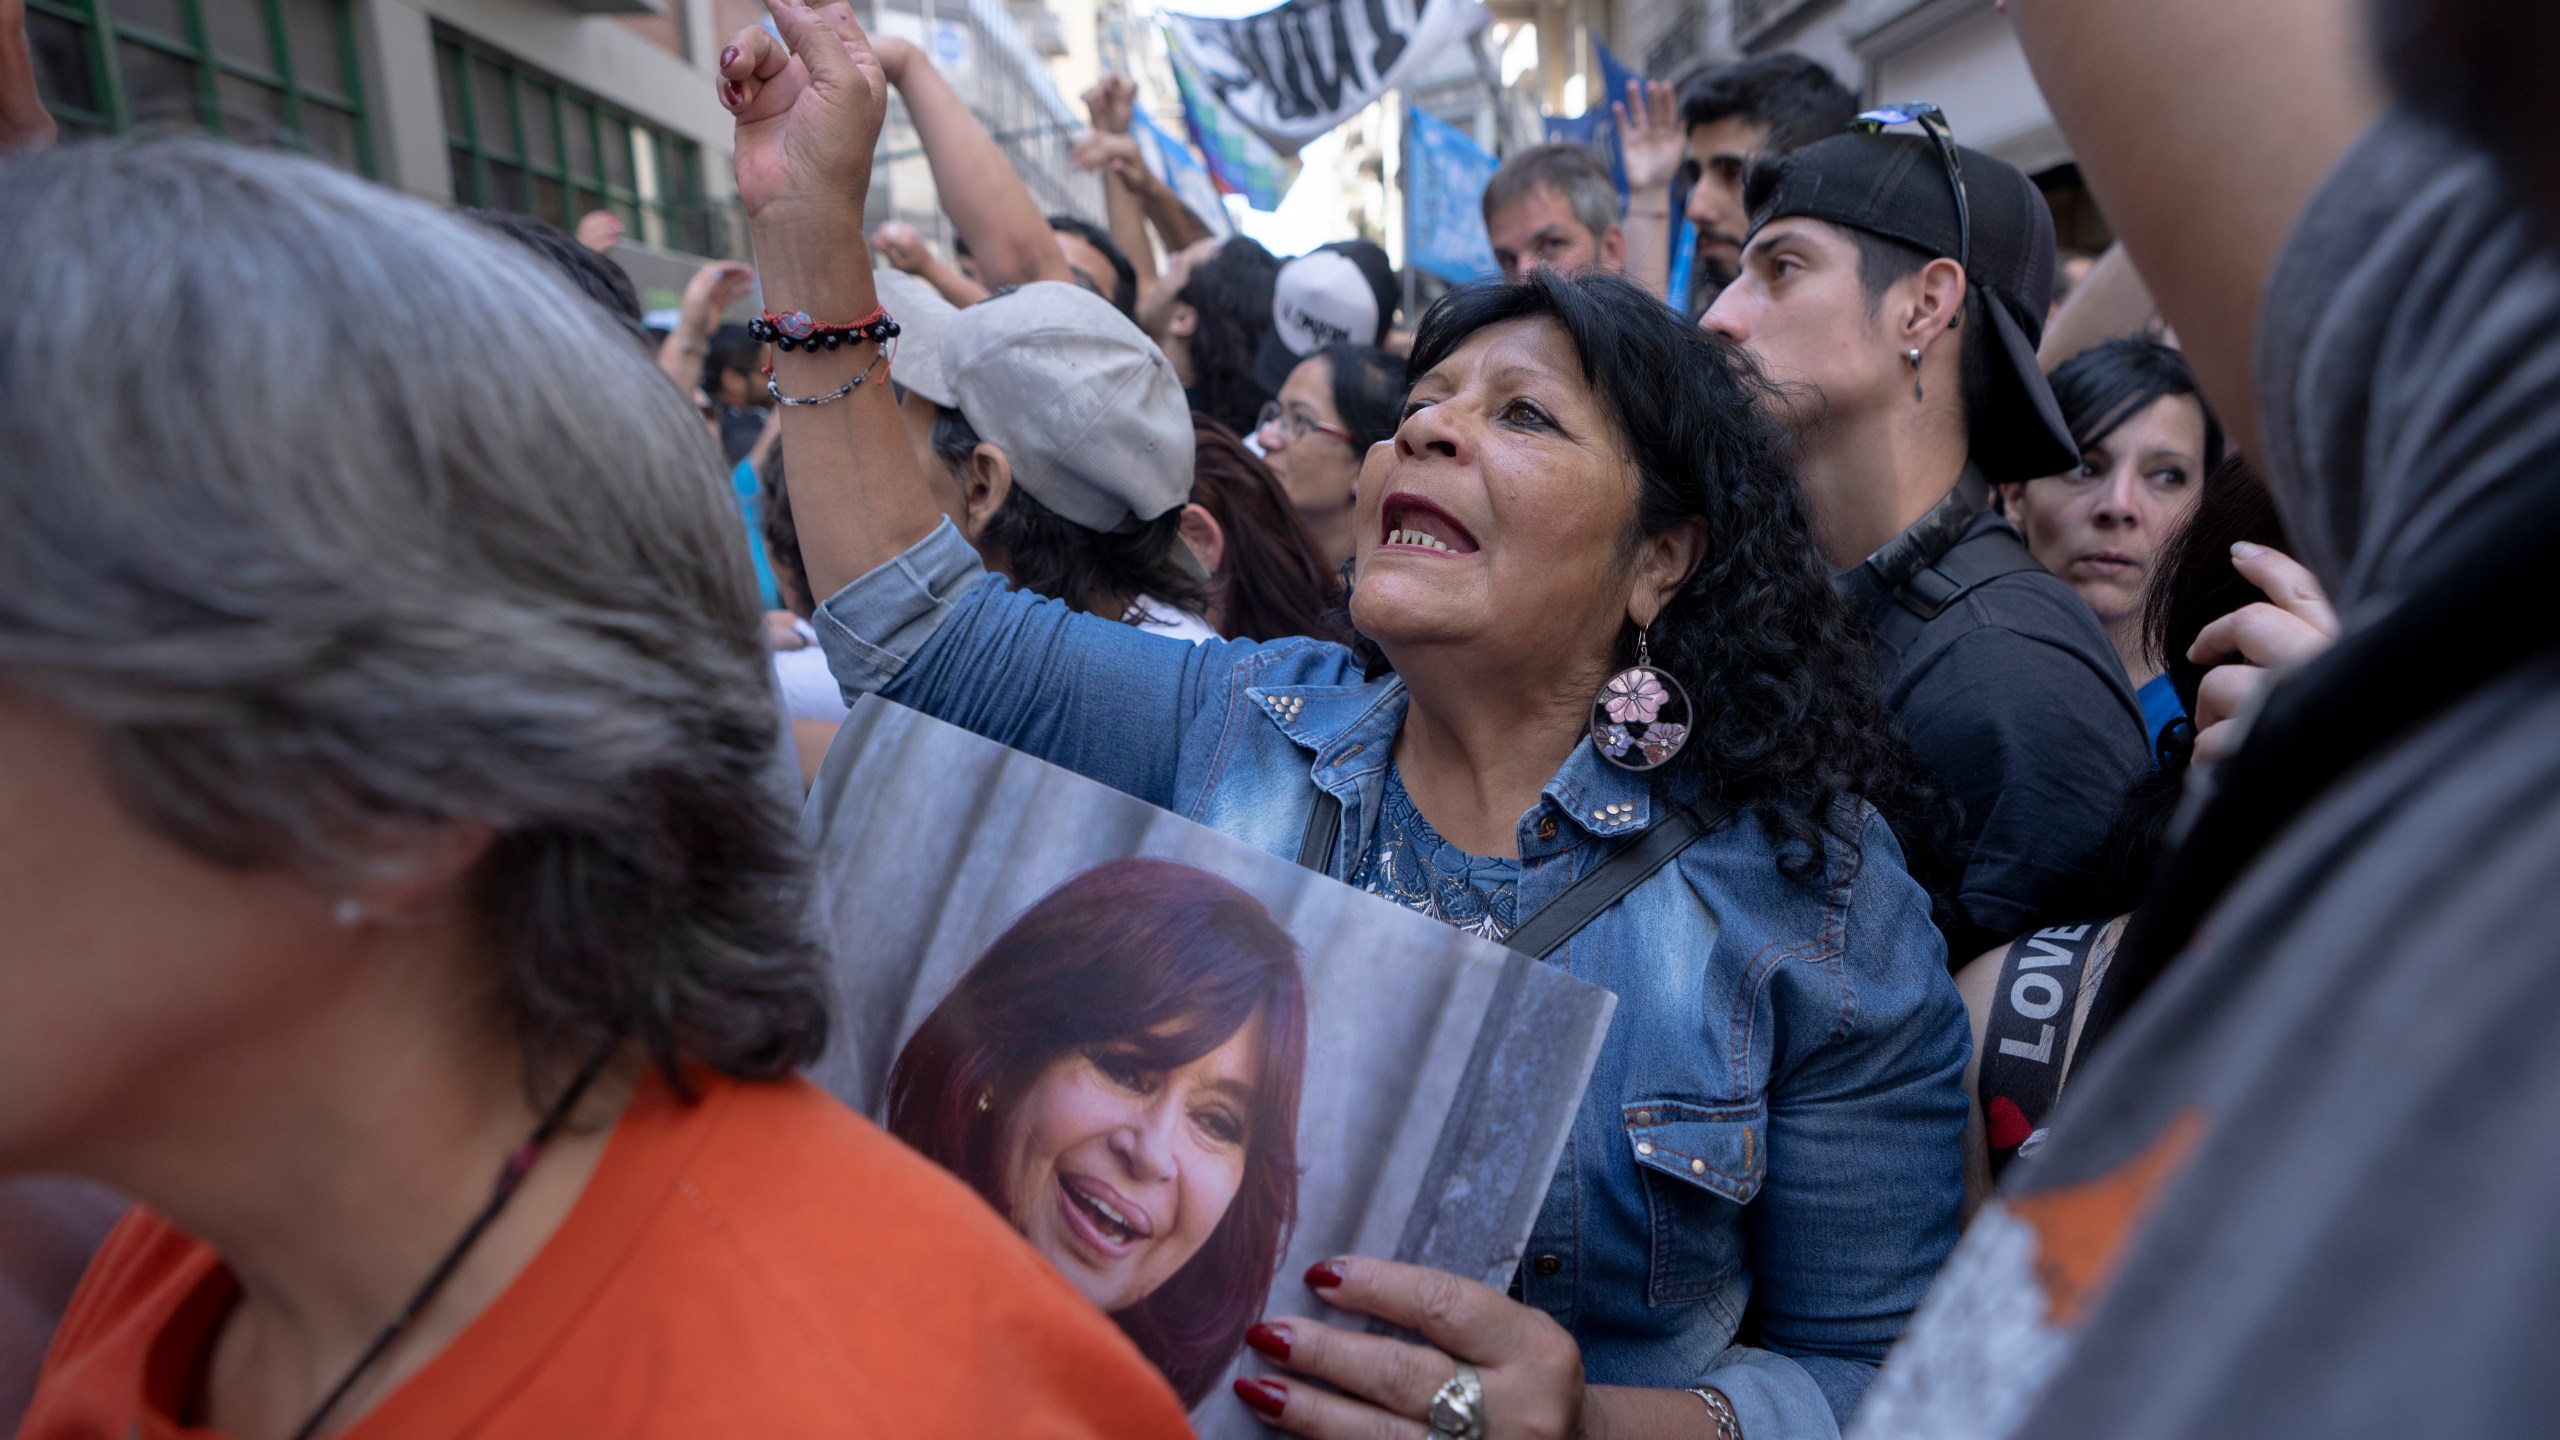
(1776, 1114)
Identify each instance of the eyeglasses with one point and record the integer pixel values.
(1298, 423)
(1934, 121)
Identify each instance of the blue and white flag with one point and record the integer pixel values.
(1445, 172)
(1596, 128)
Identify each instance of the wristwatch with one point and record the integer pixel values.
(1728, 1424)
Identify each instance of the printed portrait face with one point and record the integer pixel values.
(1118, 1171)
(1118, 1074)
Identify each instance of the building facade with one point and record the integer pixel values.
(548, 107)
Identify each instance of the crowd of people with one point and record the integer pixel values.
(2051, 763)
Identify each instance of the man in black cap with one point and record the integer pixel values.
(1893, 287)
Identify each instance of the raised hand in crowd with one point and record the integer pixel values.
(992, 211)
(809, 116)
(1111, 102)
(599, 230)
(1111, 152)
(1651, 143)
(712, 290)
(24, 122)
(904, 247)
(2252, 647)
(1157, 307)
(1133, 194)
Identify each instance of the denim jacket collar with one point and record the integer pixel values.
(1351, 731)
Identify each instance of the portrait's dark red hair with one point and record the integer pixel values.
(1165, 962)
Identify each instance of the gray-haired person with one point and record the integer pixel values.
(1554, 207)
(395, 899)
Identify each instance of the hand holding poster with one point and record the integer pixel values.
(1444, 175)
(1294, 72)
(1184, 1069)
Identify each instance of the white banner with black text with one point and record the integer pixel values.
(1295, 72)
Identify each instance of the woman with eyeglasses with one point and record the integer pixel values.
(1339, 401)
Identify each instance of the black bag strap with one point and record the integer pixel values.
(1933, 564)
(1932, 588)
(1324, 827)
(1582, 902)
(1970, 565)
(1608, 882)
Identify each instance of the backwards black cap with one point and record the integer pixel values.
(1896, 186)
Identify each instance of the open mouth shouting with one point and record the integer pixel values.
(1104, 1219)
(1409, 522)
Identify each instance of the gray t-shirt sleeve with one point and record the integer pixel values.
(2406, 366)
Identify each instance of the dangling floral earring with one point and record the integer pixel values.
(1641, 718)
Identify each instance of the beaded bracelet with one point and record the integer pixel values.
(794, 330)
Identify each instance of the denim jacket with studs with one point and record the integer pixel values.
(1777, 1111)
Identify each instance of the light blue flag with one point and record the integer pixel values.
(1445, 175)
(1180, 169)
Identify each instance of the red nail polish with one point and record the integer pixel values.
(731, 95)
(728, 57)
(1324, 1274)
(1271, 1340)
(1267, 1397)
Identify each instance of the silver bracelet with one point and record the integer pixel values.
(1728, 1424)
(773, 387)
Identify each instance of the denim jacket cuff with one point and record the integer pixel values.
(1773, 1396)
(871, 628)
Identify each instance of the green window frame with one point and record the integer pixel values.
(520, 140)
(276, 72)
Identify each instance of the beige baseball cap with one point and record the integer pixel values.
(924, 319)
(1082, 403)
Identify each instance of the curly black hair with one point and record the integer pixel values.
(1231, 294)
(1787, 722)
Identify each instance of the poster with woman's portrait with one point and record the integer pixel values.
(1184, 1069)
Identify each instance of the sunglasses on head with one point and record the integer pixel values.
(1933, 121)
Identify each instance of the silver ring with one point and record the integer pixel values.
(1457, 1410)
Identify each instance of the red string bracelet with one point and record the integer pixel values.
(794, 330)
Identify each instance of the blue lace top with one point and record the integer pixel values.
(1409, 863)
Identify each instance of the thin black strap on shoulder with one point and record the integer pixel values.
(1977, 562)
(1324, 827)
(1542, 934)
